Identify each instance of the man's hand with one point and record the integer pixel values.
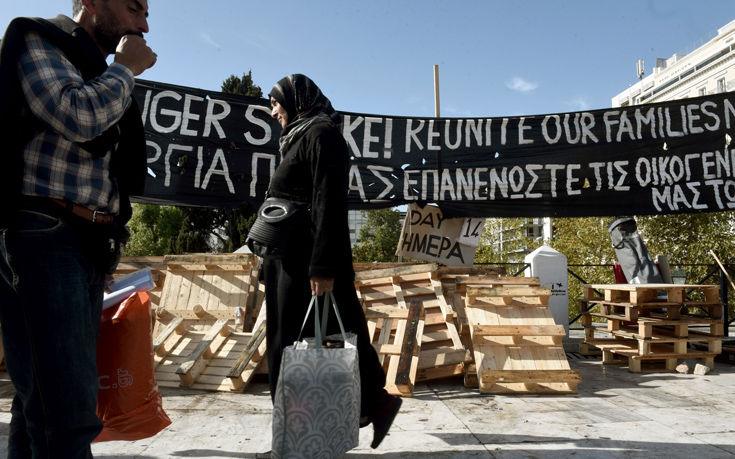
(134, 53)
(321, 285)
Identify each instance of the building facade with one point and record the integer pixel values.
(355, 221)
(709, 69)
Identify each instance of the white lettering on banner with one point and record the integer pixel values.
(165, 112)
(368, 139)
(167, 160)
(250, 116)
(431, 135)
(376, 170)
(408, 183)
(224, 171)
(521, 128)
(678, 197)
(187, 115)
(180, 119)
(156, 148)
(412, 135)
(355, 182)
(254, 170)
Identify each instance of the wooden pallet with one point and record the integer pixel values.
(660, 354)
(653, 322)
(128, 265)
(517, 346)
(205, 336)
(628, 301)
(442, 353)
(398, 343)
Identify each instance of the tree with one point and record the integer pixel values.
(154, 230)
(243, 86)
(379, 237)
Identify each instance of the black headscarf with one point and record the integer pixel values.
(302, 99)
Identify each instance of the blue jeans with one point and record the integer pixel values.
(51, 288)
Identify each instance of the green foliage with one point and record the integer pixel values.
(379, 237)
(243, 86)
(153, 230)
(684, 239)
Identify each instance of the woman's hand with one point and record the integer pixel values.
(321, 285)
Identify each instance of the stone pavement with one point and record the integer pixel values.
(616, 414)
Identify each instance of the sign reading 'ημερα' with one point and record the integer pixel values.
(213, 149)
(428, 235)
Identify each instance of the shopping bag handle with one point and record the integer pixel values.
(329, 298)
(317, 332)
(318, 327)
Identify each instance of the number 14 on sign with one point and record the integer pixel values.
(471, 231)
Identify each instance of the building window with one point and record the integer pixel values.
(721, 85)
(702, 91)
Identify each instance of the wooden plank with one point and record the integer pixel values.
(408, 360)
(386, 312)
(524, 376)
(428, 374)
(503, 280)
(203, 350)
(168, 336)
(256, 357)
(211, 315)
(517, 330)
(249, 352)
(219, 259)
(509, 291)
(435, 358)
(397, 271)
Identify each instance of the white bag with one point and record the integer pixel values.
(316, 411)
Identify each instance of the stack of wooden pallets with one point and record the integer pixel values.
(433, 342)
(517, 346)
(424, 321)
(204, 337)
(654, 323)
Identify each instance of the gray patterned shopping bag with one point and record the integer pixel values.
(316, 411)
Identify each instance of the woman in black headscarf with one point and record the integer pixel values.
(314, 171)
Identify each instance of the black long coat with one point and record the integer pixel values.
(314, 170)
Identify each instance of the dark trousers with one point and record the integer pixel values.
(287, 295)
(50, 303)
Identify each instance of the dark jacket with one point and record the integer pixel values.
(314, 170)
(18, 125)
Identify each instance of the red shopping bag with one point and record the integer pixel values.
(129, 402)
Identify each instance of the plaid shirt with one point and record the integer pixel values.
(73, 111)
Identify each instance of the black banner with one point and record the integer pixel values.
(211, 149)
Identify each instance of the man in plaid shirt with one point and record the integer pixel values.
(78, 134)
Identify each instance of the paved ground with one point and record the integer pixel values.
(616, 414)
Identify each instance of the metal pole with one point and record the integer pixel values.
(723, 299)
(436, 91)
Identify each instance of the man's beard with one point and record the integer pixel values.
(105, 34)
